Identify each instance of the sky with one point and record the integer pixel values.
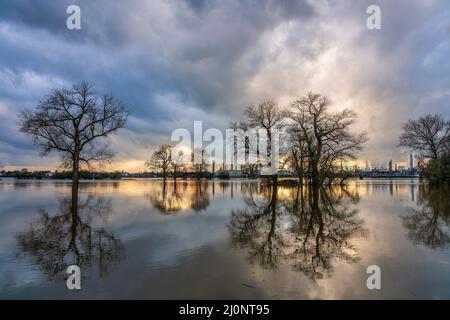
(178, 61)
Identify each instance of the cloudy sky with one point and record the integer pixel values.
(173, 62)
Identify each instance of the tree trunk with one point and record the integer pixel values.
(273, 210)
(315, 174)
(275, 180)
(75, 181)
(300, 172)
(74, 222)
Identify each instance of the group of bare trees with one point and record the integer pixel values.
(315, 140)
(169, 160)
(76, 123)
(429, 138)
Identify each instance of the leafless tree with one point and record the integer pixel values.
(75, 122)
(428, 136)
(177, 163)
(161, 159)
(298, 152)
(268, 116)
(325, 136)
(200, 161)
(242, 145)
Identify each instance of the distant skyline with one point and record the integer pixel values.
(173, 62)
(364, 165)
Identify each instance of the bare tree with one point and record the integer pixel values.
(200, 161)
(241, 144)
(177, 163)
(268, 116)
(75, 122)
(161, 159)
(325, 136)
(298, 151)
(429, 136)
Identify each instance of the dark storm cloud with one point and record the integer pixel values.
(38, 13)
(193, 60)
(37, 47)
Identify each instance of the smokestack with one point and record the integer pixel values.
(411, 162)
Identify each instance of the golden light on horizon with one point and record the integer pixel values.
(132, 166)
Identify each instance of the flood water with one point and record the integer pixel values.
(143, 239)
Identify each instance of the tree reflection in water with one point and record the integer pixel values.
(429, 224)
(307, 228)
(200, 198)
(173, 197)
(56, 242)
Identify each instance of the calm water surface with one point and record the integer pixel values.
(142, 239)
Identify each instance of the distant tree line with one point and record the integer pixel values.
(169, 162)
(87, 175)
